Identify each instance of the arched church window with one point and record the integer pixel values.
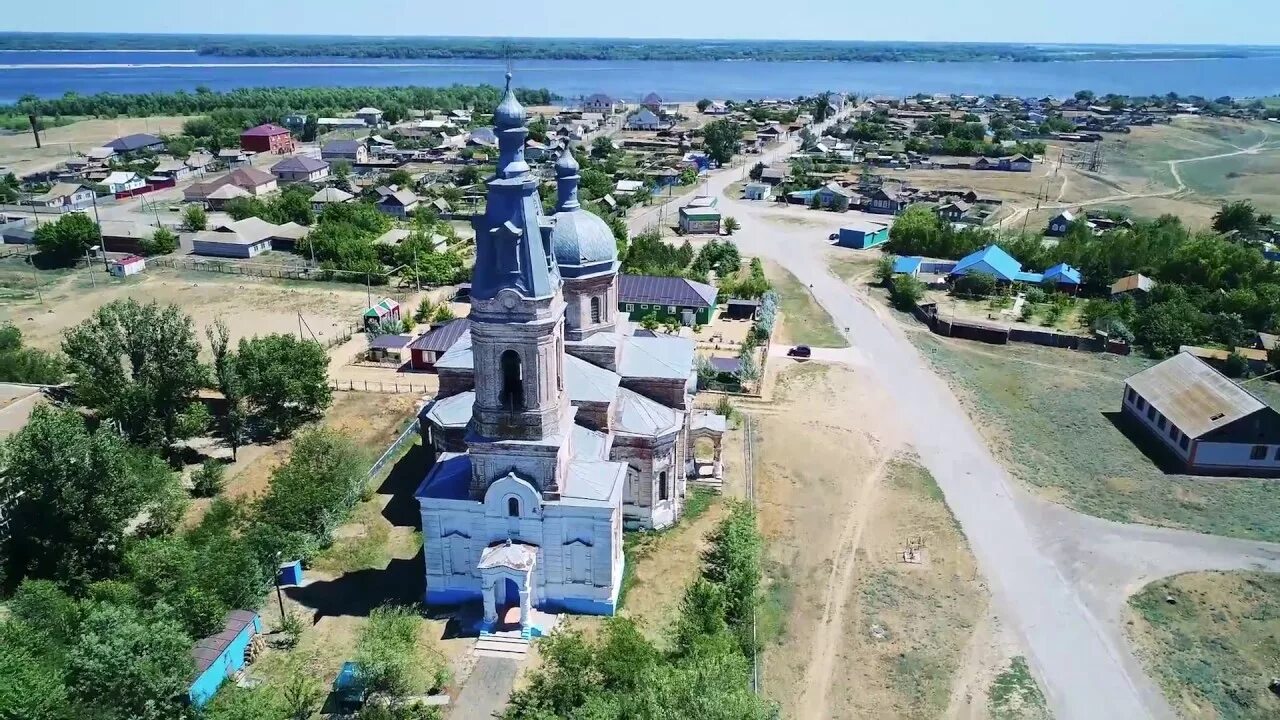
(595, 309)
(512, 397)
(662, 485)
(513, 507)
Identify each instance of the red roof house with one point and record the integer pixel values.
(266, 138)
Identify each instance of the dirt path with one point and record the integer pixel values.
(831, 629)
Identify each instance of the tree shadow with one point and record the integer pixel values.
(357, 593)
(1161, 456)
(402, 509)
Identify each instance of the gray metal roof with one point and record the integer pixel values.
(588, 383)
(341, 147)
(1192, 395)
(589, 444)
(593, 483)
(442, 337)
(635, 414)
(331, 194)
(659, 290)
(136, 141)
(459, 356)
(665, 356)
(300, 163)
(451, 412)
(389, 342)
(709, 421)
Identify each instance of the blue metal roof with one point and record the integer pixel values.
(1063, 273)
(908, 265)
(992, 260)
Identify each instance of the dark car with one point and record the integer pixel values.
(800, 351)
(833, 237)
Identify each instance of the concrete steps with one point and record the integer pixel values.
(509, 644)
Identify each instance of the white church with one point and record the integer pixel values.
(557, 425)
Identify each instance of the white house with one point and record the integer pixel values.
(121, 181)
(65, 196)
(1208, 423)
(758, 191)
(370, 115)
(129, 265)
(601, 103)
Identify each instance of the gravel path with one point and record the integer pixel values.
(486, 689)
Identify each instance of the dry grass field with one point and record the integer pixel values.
(19, 153)
(249, 306)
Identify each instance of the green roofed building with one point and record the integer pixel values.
(700, 216)
(385, 310)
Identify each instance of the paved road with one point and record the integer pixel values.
(1087, 671)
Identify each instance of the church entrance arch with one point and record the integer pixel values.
(506, 580)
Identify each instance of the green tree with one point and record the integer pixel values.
(209, 479)
(64, 241)
(400, 178)
(194, 219)
(602, 147)
(720, 138)
(26, 365)
(234, 420)
(731, 225)
(233, 702)
(73, 494)
(975, 285)
(341, 170)
(315, 489)
(286, 380)
(906, 292)
(650, 321)
(703, 104)
(127, 666)
(139, 365)
(162, 242)
(387, 653)
(1239, 217)
(884, 269)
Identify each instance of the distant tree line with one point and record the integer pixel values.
(273, 103)
(591, 49)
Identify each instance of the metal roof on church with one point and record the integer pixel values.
(589, 383)
(664, 356)
(451, 412)
(448, 479)
(593, 483)
(635, 414)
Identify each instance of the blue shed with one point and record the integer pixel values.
(864, 234)
(1063, 274)
(291, 573)
(218, 656)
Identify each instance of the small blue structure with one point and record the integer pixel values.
(218, 656)
(864, 234)
(907, 266)
(1063, 275)
(994, 261)
(291, 573)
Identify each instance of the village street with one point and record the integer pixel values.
(1058, 579)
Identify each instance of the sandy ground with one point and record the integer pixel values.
(249, 306)
(16, 404)
(18, 151)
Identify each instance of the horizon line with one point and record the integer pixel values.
(1027, 43)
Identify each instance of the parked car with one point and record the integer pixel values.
(833, 237)
(800, 351)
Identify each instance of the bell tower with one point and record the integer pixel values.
(522, 417)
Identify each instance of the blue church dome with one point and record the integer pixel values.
(580, 241)
(510, 113)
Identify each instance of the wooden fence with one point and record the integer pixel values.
(277, 272)
(379, 386)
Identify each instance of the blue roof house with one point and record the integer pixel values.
(994, 261)
(1063, 275)
(219, 656)
(861, 234)
(907, 265)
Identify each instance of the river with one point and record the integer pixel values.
(52, 73)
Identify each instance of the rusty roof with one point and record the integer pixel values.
(1195, 397)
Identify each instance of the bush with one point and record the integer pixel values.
(209, 479)
(161, 242)
(906, 293)
(194, 219)
(974, 285)
(1235, 366)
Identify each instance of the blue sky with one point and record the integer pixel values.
(1076, 21)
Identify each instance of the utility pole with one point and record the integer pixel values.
(102, 243)
(88, 263)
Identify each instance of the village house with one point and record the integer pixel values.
(646, 119)
(758, 191)
(328, 196)
(1132, 285)
(325, 124)
(668, 298)
(862, 234)
(232, 158)
(885, 202)
(601, 103)
(352, 151)
(124, 236)
(433, 344)
(1060, 223)
(123, 181)
(700, 216)
(831, 193)
(628, 187)
(241, 182)
(64, 197)
(245, 238)
(172, 171)
(954, 211)
(400, 203)
(267, 138)
(370, 115)
(135, 143)
(1205, 421)
(555, 426)
(653, 103)
(300, 168)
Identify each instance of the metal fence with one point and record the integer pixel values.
(407, 436)
(378, 386)
(277, 272)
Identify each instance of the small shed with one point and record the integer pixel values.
(864, 234)
(428, 348)
(388, 348)
(290, 573)
(219, 656)
(348, 687)
(385, 310)
(741, 309)
(129, 265)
